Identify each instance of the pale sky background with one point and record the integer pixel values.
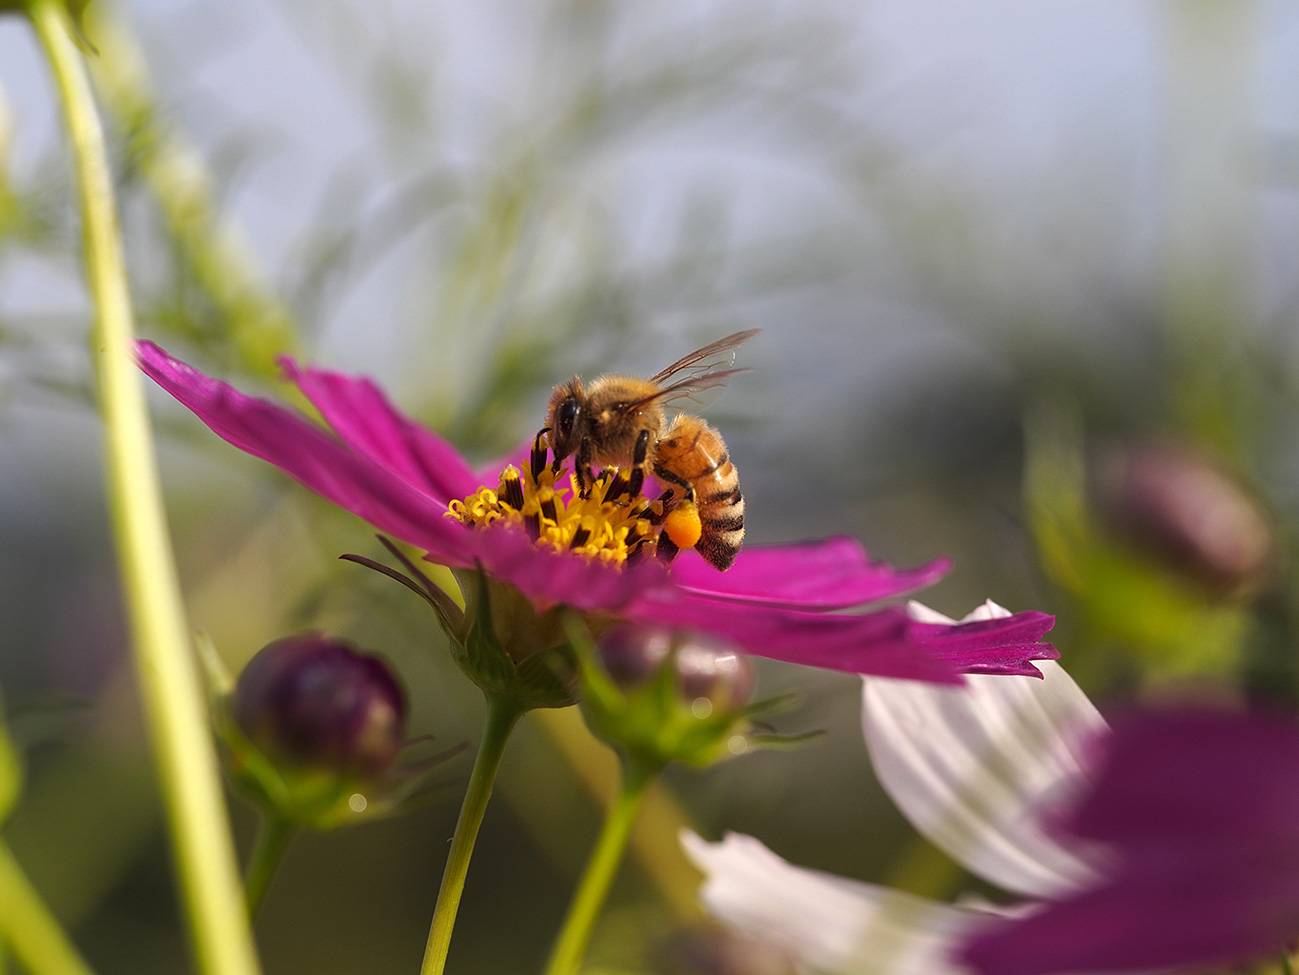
(1049, 121)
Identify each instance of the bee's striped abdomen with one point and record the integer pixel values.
(691, 459)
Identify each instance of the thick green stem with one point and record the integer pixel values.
(273, 838)
(570, 946)
(27, 928)
(173, 699)
(502, 715)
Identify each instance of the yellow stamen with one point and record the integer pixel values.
(560, 518)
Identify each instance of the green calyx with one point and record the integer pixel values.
(509, 649)
(313, 798)
(317, 798)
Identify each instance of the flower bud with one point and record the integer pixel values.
(633, 654)
(714, 671)
(705, 667)
(663, 696)
(1188, 512)
(316, 704)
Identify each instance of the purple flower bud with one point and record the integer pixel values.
(633, 654)
(1189, 512)
(706, 667)
(317, 703)
(711, 669)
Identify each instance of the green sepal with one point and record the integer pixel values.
(782, 743)
(766, 739)
(450, 616)
(780, 704)
(476, 650)
(499, 640)
(318, 800)
(548, 678)
(509, 649)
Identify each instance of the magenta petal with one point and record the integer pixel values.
(1194, 772)
(313, 458)
(1200, 809)
(365, 421)
(1140, 925)
(549, 578)
(833, 574)
(1004, 645)
(873, 643)
(885, 644)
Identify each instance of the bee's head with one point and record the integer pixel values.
(564, 418)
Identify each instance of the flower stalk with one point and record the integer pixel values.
(185, 757)
(27, 928)
(503, 713)
(274, 834)
(574, 937)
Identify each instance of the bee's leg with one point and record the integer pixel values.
(666, 503)
(677, 484)
(582, 468)
(638, 458)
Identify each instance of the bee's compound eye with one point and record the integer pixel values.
(566, 418)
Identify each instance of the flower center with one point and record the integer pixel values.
(606, 523)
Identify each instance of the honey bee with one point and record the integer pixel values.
(619, 421)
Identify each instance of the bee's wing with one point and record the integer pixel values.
(688, 388)
(707, 361)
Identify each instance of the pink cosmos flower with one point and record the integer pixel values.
(776, 602)
(1167, 842)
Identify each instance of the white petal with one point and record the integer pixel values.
(921, 613)
(828, 924)
(974, 768)
(986, 610)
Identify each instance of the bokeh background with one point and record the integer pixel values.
(992, 247)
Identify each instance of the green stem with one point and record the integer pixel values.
(28, 929)
(273, 838)
(570, 946)
(173, 698)
(502, 715)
